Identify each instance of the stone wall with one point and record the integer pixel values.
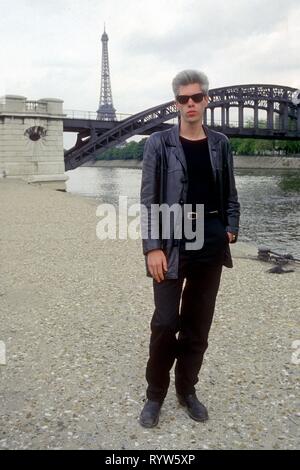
(266, 162)
(239, 162)
(31, 138)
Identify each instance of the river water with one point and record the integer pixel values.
(269, 216)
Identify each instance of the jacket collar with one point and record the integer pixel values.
(212, 139)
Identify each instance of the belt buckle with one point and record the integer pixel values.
(211, 213)
(192, 215)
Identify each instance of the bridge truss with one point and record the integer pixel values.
(282, 120)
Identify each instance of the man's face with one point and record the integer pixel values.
(191, 112)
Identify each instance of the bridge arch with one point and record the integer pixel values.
(275, 101)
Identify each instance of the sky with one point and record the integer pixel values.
(53, 48)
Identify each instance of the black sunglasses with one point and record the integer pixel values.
(183, 99)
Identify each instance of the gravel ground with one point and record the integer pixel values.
(75, 314)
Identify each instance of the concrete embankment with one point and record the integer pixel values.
(251, 162)
(74, 318)
(280, 163)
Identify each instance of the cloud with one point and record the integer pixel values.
(53, 48)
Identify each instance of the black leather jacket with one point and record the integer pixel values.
(165, 180)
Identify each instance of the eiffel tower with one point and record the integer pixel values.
(106, 110)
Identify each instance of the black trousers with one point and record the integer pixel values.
(181, 331)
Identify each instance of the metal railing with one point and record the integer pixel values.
(90, 115)
(235, 124)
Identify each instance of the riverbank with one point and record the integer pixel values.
(240, 162)
(75, 314)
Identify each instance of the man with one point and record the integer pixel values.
(189, 165)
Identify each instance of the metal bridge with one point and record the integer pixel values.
(273, 113)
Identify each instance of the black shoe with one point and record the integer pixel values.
(195, 409)
(150, 414)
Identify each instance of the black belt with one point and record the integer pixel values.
(194, 215)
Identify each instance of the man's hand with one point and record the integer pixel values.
(231, 236)
(157, 264)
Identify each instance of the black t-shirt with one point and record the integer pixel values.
(201, 188)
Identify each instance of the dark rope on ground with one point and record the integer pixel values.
(267, 255)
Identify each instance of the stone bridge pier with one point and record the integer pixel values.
(31, 138)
